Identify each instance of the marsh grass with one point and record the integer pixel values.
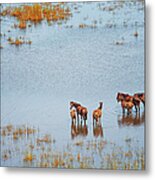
(30, 148)
(37, 12)
(29, 15)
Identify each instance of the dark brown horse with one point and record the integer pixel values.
(141, 97)
(121, 96)
(98, 113)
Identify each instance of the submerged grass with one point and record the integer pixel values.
(28, 148)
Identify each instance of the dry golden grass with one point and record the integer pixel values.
(29, 157)
(37, 12)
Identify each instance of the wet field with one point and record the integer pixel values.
(87, 58)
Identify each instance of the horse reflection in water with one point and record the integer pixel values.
(131, 120)
(97, 130)
(78, 129)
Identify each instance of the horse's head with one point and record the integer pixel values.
(101, 105)
(120, 97)
(71, 104)
(74, 104)
(117, 97)
(142, 95)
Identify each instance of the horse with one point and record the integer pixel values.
(77, 106)
(98, 113)
(129, 98)
(121, 96)
(136, 102)
(73, 114)
(127, 105)
(141, 97)
(82, 111)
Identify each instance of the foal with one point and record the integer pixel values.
(98, 113)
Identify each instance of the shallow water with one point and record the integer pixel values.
(73, 64)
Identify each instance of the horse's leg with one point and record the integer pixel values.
(81, 122)
(123, 110)
(100, 120)
(128, 111)
(84, 122)
(85, 117)
(139, 108)
(143, 103)
(136, 108)
(75, 120)
(78, 122)
(97, 120)
(81, 118)
(77, 116)
(138, 115)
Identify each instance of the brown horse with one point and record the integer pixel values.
(140, 96)
(77, 107)
(98, 113)
(121, 96)
(82, 111)
(129, 98)
(73, 114)
(134, 100)
(127, 105)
